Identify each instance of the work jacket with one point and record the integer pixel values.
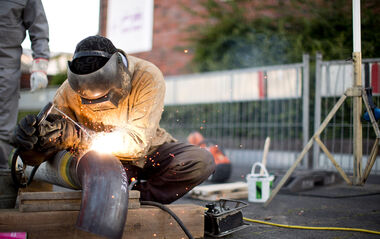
(137, 116)
(17, 16)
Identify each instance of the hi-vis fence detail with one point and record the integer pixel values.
(232, 86)
(337, 76)
(239, 109)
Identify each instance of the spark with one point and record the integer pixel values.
(109, 143)
(185, 51)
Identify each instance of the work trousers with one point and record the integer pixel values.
(171, 171)
(9, 97)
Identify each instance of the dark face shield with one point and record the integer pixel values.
(104, 88)
(106, 102)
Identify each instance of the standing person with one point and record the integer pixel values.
(116, 94)
(17, 18)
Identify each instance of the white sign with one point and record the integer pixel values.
(130, 24)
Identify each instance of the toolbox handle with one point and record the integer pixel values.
(266, 175)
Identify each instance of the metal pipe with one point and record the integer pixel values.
(105, 195)
(104, 187)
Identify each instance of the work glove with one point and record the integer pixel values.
(25, 134)
(38, 77)
(58, 133)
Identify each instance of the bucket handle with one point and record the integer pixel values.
(262, 167)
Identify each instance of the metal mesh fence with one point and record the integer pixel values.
(240, 127)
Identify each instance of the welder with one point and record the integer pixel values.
(16, 19)
(112, 92)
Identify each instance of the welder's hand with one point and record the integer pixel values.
(25, 135)
(57, 133)
(38, 77)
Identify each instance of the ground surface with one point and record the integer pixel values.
(339, 205)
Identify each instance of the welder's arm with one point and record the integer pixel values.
(58, 133)
(144, 116)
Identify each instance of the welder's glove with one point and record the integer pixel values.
(25, 134)
(58, 133)
(38, 77)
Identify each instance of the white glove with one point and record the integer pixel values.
(38, 77)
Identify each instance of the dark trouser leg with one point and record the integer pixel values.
(5, 151)
(173, 170)
(9, 96)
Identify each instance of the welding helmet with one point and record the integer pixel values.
(99, 73)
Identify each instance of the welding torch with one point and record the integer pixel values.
(41, 116)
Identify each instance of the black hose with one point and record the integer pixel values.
(15, 179)
(166, 209)
(13, 169)
(41, 116)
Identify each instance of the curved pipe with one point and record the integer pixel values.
(104, 187)
(105, 195)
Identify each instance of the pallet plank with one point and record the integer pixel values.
(61, 201)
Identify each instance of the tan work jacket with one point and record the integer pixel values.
(137, 115)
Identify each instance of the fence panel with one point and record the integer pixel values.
(238, 109)
(332, 79)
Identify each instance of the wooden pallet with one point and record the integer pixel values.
(214, 192)
(53, 214)
(144, 222)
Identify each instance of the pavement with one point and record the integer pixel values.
(336, 205)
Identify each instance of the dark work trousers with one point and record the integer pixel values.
(171, 171)
(9, 97)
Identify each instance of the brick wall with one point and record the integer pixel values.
(170, 50)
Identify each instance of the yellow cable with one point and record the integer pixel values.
(313, 228)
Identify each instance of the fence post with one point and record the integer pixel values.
(305, 107)
(317, 105)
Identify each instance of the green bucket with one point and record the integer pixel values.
(8, 191)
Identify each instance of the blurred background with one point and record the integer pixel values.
(237, 71)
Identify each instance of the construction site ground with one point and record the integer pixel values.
(336, 205)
